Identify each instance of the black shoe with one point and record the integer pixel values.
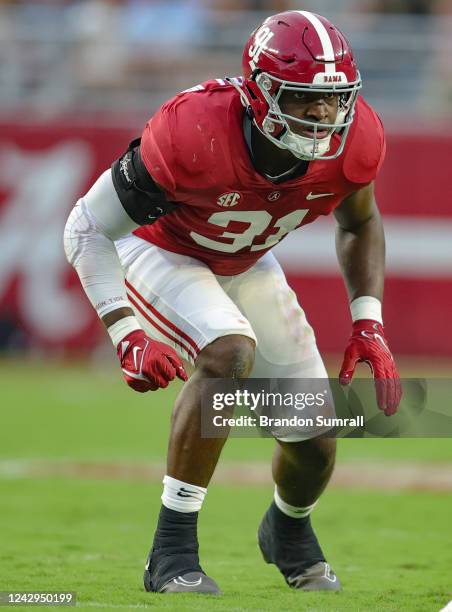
(292, 546)
(173, 563)
(318, 577)
(190, 582)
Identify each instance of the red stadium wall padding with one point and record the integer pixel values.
(416, 176)
(45, 168)
(415, 313)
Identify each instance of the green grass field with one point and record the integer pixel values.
(392, 550)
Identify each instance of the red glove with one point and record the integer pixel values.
(148, 365)
(368, 343)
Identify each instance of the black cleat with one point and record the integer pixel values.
(173, 563)
(189, 582)
(193, 582)
(318, 577)
(292, 546)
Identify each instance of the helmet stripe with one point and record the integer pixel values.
(325, 40)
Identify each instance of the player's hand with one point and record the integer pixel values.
(148, 365)
(368, 343)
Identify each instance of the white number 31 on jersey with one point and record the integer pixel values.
(258, 221)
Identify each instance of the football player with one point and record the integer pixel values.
(173, 248)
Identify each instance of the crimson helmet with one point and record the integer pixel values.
(303, 52)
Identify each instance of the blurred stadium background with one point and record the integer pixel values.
(78, 79)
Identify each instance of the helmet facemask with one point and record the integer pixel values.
(275, 124)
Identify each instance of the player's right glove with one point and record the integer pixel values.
(368, 344)
(148, 365)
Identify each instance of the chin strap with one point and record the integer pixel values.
(305, 148)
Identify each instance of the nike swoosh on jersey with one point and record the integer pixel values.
(314, 196)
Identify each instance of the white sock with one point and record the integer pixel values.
(182, 496)
(297, 512)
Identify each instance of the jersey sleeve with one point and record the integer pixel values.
(157, 150)
(177, 146)
(367, 148)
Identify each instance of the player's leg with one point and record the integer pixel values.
(179, 301)
(192, 458)
(301, 469)
(191, 462)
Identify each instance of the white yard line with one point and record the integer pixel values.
(390, 476)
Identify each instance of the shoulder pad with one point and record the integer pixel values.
(366, 148)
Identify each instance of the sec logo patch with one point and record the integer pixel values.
(229, 199)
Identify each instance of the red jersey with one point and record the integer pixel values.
(194, 148)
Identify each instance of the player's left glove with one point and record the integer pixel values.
(368, 344)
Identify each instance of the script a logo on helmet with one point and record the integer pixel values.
(229, 199)
(261, 39)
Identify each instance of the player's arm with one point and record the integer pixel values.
(360, 247)
(360, 244)
(96, 221)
